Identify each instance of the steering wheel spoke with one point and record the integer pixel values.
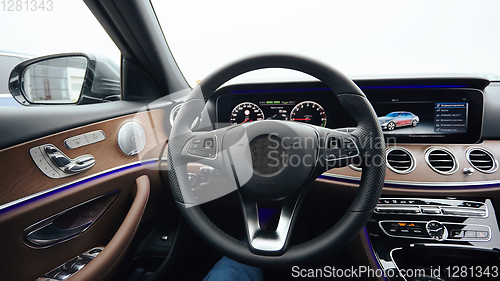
(269, 225)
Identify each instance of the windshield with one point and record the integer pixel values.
(363, 39)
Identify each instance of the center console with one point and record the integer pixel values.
(435, 239)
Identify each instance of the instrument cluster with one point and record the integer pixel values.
(309, 103)
(306, 112)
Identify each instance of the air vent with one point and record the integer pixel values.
(175, 111)
(482, 160)
(400, 160)
(441, 160)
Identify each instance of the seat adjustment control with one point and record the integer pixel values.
(55, 164)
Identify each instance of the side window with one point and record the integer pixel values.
(66, 27)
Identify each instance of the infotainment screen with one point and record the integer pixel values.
(451, 116)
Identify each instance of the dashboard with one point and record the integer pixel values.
(442, 179)
(446, 113)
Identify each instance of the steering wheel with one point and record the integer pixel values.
(272, 161)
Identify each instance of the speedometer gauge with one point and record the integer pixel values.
(246, 112)
(309, 112)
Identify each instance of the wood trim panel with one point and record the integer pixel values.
(423, 173)
(21, 177)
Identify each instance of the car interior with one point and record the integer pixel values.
(141, 175)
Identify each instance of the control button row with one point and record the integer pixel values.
(469, 234)
(203, 147)
(431, 211)
(338, 148)
(464, 212)
(401, 201)
(405, 229)
(398, 210)
(430, 202)
(42, 164)
(71, 267)
(85, 139)
(435, 229)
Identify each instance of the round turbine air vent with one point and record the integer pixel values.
(175, 111)
(441, 160)
(482, 160)
(400, 160)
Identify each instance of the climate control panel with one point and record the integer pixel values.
(434, 207)
(436, 230)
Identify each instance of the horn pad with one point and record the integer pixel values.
(271, 159)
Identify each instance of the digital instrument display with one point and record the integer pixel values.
(318, 108)
(306, 112)
(405, 115)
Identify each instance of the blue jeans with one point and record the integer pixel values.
(227, 269)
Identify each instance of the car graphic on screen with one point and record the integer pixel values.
(398, 119)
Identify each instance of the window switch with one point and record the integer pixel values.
(62, 275)
(69, 264)
(78, 265)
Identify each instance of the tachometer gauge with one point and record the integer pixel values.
(309, 112)
(246, 112)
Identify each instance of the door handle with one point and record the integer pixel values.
(67, 224)
(51, 234)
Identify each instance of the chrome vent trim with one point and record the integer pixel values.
(400, 160)
(482, 160)
(355, 167)
(441, 160)
(173, 113)
(356, 164)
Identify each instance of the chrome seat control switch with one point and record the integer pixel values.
(55, 164)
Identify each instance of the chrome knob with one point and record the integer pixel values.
(468, 171)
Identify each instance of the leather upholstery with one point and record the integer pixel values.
(107, 261)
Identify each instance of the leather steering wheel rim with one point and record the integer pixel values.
(360, 209)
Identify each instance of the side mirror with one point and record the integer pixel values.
(64, 79)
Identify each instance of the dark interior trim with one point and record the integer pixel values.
(17, 128)
(138, 33)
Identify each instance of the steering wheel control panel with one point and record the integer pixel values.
(71, 267)
(203, 146)
(435, 230)
(434, 207)
(55, 164)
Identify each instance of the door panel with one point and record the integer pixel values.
(25, 263)
(25, 123)
(22, 177)
(28, 196)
